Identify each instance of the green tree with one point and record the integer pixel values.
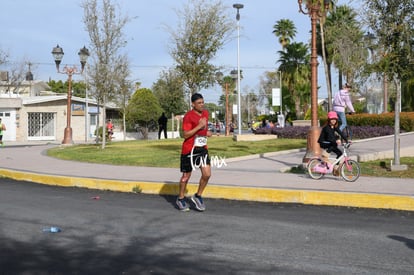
(392, 24)
(407, 95)
(125, 87)
(322, 51)
(60, 87)
(227, 99)
(216, 112)
(295, 67)
(344, 39)
(285, 29)
(202, 31)
(269, 81)
(250, 101)
(143, 109)
(169, 90)
(105, 24)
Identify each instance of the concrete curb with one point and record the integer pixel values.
(263, 155)
(326, 198)
(407, 152)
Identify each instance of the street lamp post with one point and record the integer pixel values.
(281, 94)
(313, 8)
(238, 7)
(58, 53)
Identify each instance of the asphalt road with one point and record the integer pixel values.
(123, 233)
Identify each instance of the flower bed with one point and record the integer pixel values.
(358, 132)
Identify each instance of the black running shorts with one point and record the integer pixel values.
(199, 157)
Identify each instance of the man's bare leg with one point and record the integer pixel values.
(183, 184)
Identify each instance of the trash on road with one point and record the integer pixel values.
(52, 229)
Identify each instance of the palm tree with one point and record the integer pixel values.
(284, 29)
(343, 36)
(294, 63)
(322, 51)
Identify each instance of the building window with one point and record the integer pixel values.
(41, 125)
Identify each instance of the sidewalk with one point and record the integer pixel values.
(253, 178)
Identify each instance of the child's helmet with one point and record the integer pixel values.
(332, 115)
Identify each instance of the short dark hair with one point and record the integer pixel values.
(196, 96)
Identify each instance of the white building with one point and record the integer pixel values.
(30, 112)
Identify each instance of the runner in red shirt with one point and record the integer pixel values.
(194, 152)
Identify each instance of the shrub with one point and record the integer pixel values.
(301, 132)
(361, 132)
(406, 120)
(98, 133)
(362, 126)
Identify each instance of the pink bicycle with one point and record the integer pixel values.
(348, 169)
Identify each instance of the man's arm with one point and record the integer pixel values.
(201, 124)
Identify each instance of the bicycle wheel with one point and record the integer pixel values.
(350, 172)
(313, 173)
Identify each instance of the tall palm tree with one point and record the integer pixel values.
(322, 50)
(295, 65)
(343, 35)
(285, 29)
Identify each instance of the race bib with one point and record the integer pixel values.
(200, 141)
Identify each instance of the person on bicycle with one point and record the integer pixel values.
(328, 139)
(341, 101)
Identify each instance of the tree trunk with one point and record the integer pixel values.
(298, 109)
(327, 71)
(385, 85)
(397, 122)
(124, 125)
(103, 122)
(340, 79)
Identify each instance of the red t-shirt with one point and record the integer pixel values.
(190, 121)
(109, 126)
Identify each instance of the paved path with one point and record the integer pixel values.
(256, 178)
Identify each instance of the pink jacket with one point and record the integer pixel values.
(347, 100)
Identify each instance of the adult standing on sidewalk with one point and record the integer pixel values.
(341, 101)
(162, 126)
(2, 128)
(194, 152)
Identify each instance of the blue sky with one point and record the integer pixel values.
(30, 29)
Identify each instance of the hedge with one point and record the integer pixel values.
(380, 120)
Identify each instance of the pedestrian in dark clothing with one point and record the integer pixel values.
(162, 126)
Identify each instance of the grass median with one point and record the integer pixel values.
(166, 153)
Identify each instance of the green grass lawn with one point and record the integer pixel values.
(381, 168)
(166, 153)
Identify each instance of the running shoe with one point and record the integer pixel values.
(198, 202)
(182, 205)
